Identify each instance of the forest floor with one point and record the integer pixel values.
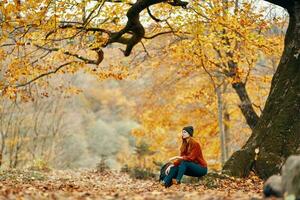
(87, 184)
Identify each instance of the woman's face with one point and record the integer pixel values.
(185, 134)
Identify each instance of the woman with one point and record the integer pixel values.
(190, 162)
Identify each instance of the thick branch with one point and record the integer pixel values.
(287, 4)
(153, 17)
(134, 25)
(246, 105)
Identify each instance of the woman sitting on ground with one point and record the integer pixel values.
(190, 162)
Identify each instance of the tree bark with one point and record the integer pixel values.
(277, 133)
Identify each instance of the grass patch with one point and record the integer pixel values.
(21, 175)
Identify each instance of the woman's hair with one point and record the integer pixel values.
(184, 146)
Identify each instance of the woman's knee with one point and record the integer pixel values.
(203, 171)
(182, 164)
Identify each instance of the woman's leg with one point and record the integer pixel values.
(172, 174)
(181, 170)
(190, 169)
(195, 170)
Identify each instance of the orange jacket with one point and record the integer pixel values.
(194, 154)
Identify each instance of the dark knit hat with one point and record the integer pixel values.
(189, 129)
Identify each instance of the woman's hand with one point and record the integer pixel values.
(168, 169)
(175, 157)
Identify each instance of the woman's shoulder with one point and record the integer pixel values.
(194, 142)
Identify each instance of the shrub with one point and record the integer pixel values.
(138, 173)
(102, 166)
(39, 165)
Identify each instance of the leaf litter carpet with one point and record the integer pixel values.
(87, 184)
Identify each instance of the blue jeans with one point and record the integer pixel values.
(185, 168)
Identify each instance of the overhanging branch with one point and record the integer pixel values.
(45, 74)
(287, 4)
(86, 60)
(134, 25)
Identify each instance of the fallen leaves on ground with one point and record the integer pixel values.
(87, 184)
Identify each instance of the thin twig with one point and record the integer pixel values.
(45, 74)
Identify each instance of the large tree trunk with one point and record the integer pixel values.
(277, 133)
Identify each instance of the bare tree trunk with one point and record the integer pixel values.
(2, 147)
(221, 125)
(226, 130)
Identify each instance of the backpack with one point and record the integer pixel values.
(162, 174)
